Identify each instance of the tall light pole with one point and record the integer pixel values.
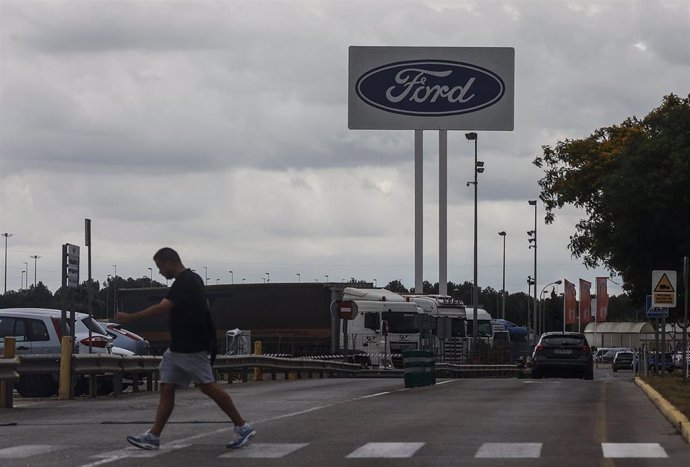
(543, 317)
(375, 283)
(326, 277)
(478, 168)
(114, 291)
(503, 288)
(533, 240)
(299, 278)
(151, 275)
(232, 277)
(35, 257)
(6, 235)
(23, 272)
(268, 277)
(205, 275)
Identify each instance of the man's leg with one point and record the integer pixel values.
(165, 407)
(224, 401)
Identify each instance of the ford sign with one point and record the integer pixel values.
(430, 88)
(434, 88)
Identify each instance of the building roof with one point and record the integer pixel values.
(612, 327)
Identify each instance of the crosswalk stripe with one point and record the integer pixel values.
(265, 450)
(397, 450)
(509, 450)
(20, 452)
(633, 450)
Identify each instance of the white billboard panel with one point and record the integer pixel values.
(431, 88)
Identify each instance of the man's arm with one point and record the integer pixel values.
(158, 309)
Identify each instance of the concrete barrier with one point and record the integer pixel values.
(419, 368)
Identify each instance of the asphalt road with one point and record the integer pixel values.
(361, 422)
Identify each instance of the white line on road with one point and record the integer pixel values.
(389, 450)
(633, 450)
(265, 451)
(509, 451)
(19, 452)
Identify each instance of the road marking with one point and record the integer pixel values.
(19, 452)
(388, 450)
(509, 450)
(265, 451)
(633, 450)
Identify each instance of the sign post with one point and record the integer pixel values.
(431, 88)
(663, 296)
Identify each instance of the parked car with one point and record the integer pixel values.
(667, 365)
(39, 331)
(127, 339)
(624, 360)
(564, 354)
(599, 353)
(609, 355)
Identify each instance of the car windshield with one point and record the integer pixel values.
(403, 323)
(563, 340)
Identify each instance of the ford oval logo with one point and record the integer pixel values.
(430, 88)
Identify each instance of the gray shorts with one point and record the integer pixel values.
(185, 368)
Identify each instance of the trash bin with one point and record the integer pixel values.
(419, 368)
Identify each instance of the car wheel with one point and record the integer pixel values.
(36, 386)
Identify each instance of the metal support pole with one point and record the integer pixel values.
(418, 211)
(442, 213)
(475, 288)
(6, 235)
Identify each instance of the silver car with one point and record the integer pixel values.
(126, 339)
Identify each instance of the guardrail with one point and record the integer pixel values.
(116, 368)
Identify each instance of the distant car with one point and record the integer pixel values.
(599, 353)
(127, 339)
(562, 354)
(610, 354)
(624, 360)
(667, 362)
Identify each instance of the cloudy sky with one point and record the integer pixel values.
(220, 128)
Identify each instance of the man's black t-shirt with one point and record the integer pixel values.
(191, 329)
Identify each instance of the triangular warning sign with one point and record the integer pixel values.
(664, 285)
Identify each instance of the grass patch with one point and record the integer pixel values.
(673, 389)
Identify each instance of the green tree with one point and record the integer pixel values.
(632, 182)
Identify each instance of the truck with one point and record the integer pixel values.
(383, 325)
(451, 343)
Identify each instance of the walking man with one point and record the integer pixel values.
(192, 346)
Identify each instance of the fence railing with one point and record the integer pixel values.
(135, 370)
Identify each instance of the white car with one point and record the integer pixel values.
(39, 331)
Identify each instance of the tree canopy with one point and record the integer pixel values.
(633, 182)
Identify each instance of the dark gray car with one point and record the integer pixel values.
(562, 354)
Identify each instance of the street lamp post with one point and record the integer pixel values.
(205, 275)
(541, 304)
(35, 257)
(326, 277)
(114, 291)
(478, 168)
(268, 277)
(533, 202)
(6, 235)
(232, 277)
(375, 283)
(151, 275)
(503, 288)
(299, 278)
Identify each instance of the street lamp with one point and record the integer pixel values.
(6, 235)
(503, 289)
(326, 277)
(299, 278)
(533, 202)
(478, 168)
(543, 316)
(232, 277)
(375, 283)
(151, 275)
(35, 257)
(114, 291)
(205, 275)
(268, 277)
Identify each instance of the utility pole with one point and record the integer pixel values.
(6, 235)
(35, 257)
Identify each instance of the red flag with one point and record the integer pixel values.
(569, 303)
(585, 301)
(602, 299)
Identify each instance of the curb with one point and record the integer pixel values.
(679, 421)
